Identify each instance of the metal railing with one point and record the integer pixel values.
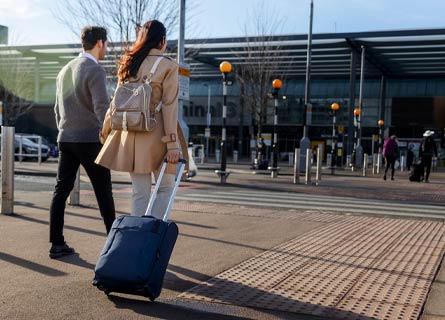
(38, 152)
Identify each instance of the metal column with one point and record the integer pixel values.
(305, 142)
(181, 55)
(308, 67)
(351, 106)
(382, 104)
(360, 99)
(37, 81)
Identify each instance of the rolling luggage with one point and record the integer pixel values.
(138, 249)
(416, 173)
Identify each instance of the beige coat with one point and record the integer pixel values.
(143, 152)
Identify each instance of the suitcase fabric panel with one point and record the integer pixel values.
(132, 251)
(160, 266)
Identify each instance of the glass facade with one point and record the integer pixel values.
(291, 109)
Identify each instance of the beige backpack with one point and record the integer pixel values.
(130, 106)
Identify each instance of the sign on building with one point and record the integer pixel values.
(184, 81)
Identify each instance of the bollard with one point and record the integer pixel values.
(291, 159)
(379, 162)
(235, 156)
(329, 160)
(402, 163)
(365, 164)
(39, 152)
(297, 166)
(201, 154)
(20, 148)
(318, 175)
(7, 165)
(74, 198)
(308, 165)
(253, 156)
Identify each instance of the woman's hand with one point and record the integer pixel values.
(102, 137)
(173, 155)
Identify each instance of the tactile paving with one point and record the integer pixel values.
(208, 208)
(353, 268)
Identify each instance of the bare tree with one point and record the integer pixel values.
(260, 65)
(121, 17)
(16, 86)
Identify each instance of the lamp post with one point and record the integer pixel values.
(225, 68)
(357, 112)
(209, 120)
(334, 107)
(305, 142)
(380, 123)
(276, 85)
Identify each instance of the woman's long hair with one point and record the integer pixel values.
(150, 36)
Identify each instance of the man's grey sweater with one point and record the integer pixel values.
(81, 101)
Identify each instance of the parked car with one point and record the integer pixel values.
(30, 148)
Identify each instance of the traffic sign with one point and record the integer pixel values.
(184, 81)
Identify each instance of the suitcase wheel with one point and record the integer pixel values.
(102, 288)
(149, 295)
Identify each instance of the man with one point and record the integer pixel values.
(427, 150)
(81, 104)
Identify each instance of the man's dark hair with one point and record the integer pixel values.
(91, 34)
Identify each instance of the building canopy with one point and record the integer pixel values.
(393, 54)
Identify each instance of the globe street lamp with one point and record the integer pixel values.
(225, 68)
(380, 123)
(276, 84)
(334, 107)
(357, 112)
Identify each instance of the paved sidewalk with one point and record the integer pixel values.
(235, 262)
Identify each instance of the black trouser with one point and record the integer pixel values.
(426, 163)
(71, 155)
(390, 161)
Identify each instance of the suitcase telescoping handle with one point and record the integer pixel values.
(182, 163)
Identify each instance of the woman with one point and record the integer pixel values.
(142, 153)
(390, 148)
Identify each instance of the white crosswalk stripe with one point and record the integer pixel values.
(300, 201)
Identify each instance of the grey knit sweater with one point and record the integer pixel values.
(81, 101)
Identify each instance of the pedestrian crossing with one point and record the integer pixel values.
(300, 201)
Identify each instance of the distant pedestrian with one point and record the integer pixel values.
(390, 149)
(262, 150)
(409, 157)
(427, 151)
(81, 104)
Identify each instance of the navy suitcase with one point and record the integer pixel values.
(137, 251)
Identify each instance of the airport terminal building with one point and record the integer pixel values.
(403, 84)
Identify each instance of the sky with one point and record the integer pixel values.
(32, 22)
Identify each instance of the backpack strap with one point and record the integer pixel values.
(153, 69)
